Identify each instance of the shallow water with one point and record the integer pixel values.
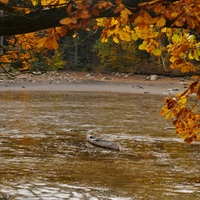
(44, 153)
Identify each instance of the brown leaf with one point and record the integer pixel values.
(69, 8)
(95, 11)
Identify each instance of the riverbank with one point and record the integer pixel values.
(79, 81)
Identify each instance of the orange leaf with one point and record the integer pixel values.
(188, 67)
(51, 43)
(41, 42)
(161, 22)
(85, 14)
(68, 21)
(4, 1)
(118, 9)
(190, 22)
(158, 8)
(69, 9)
(61, 31)
(95, 12)
(180, 21)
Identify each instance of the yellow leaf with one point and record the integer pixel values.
(175, 38)
(164, 30)
(174, 14)
(142, 46)
(124, 36)
(169, 115)
(183, 100)
(125, 14)
(104, 40)
(115, 39)
(191, 54)
(164, 110)
(173, 59)
(114, 22)
(161, 22)
(74, 35)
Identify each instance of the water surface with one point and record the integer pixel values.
(44, 153)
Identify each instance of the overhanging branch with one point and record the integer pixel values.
(49, 18)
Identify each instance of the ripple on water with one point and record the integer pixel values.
(43, 137)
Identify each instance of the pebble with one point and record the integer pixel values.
(173, 89)
(106, 79)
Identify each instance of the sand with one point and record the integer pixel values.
(80, 82)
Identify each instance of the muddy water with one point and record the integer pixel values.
(44, 153)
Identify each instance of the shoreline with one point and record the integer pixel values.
(84, 82)
(94, 86)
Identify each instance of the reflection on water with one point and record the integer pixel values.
(44, 153)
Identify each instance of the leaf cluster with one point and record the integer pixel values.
(181, 110)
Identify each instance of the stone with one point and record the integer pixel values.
(106, 79)
(152, 77)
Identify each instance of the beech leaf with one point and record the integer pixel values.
(161, 22)
(68, 21)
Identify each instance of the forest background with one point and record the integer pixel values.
(84, 51)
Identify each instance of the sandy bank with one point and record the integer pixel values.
(140, 87)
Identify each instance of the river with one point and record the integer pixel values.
(44, 153)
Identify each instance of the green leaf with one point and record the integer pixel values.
(134, 36)
(157, 52)
(197, 54)
(143, 46)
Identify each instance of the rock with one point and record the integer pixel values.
(89, 76)
(140, 87)
(106, 79)
(117, 74)
(126, 75)
(23, 77)
(173, 89)
(36, 73)
(152, 77)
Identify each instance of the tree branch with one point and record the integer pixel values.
(50, 17)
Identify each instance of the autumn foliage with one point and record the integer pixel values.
(124, 20)
(182, 110)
